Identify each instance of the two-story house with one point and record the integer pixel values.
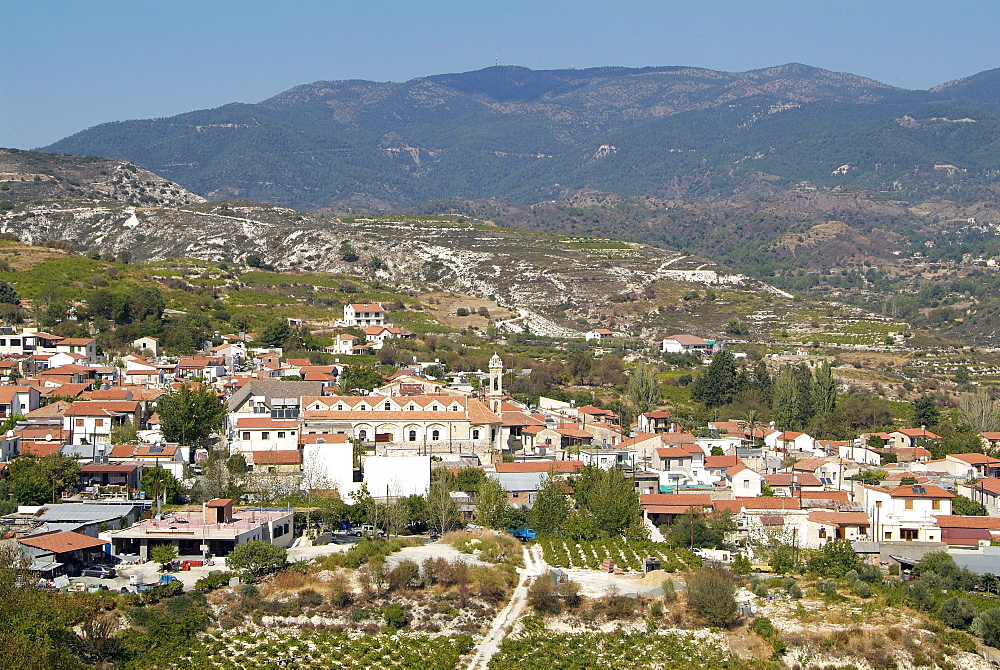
(364, 314)
(905, 512)
(18, 400)
(90, 422)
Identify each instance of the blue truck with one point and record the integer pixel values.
(164, 580)
(522, 533)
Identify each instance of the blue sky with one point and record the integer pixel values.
(68, 65)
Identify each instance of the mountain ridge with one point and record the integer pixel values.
(521, 135)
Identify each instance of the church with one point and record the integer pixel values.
(426, 423)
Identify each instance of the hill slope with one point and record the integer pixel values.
(556, 284)
(525, 136)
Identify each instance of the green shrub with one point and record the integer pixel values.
(827, 587)
(795, 591)
(404, 575)
(959, 640)
(542, 596)
(957, 612)
(763, 627)
(395, 617)
(862, 590)
(310, 598)
(711, 593)
(341, 598)
(214, 580)
(760, 590)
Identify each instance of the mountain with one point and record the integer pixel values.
(524, 136)
(553, 284)
(785, 262)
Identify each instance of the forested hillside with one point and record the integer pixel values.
(516, 135)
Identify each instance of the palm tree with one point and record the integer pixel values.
(751, 418)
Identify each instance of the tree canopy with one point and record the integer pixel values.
(36, 481)
(718, 385)
(363, 377)
(257, 558)
(190, 416)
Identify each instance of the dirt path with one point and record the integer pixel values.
(534, 566)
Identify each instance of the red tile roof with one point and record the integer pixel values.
(841, 518)
(975, 459)
(284, 457)
(990, 484)
(806, 496)
(916, 432)
(785, 479)
(676, 499)
(724, 462)
(955, 521)
(250, 423)
(40, 449)
(59, 543)
(920, 491)
(673, 452)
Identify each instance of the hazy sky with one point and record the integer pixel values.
(68, 65)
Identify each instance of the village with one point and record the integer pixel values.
(279, 438)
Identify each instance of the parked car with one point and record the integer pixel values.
(102, 571)
(368, 530)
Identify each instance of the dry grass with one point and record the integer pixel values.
(489, 545)
(22, 256)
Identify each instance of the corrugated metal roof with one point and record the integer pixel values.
(519, 481)
(85, 512)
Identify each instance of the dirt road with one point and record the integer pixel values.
(534, 566)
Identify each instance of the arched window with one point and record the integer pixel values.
(363, 435)
(475, 434)
(435, 434)
(388, 405)
(412, 435)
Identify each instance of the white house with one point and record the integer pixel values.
(790, 440)
(427, 423)
(265, 434)
(378, 334)
(599, 334)
(364, 314)
(606, 459)
(18, 400)
(343, 344)
(686, 344)
(905, 512)
(744, 482)
(78, 345)
(654, 422)
(142, 373)
(972, 465)
(681, 465)
(91, 422)
(860, 455)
